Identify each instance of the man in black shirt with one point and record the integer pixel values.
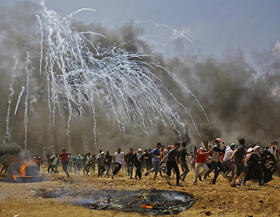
(238, 156)
(130, 162)
(184, 165)
(146, 159)
(172, 158)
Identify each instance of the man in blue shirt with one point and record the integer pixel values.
(155, 160)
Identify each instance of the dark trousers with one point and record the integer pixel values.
(79, 166)
(186, 169)
(229, 166)
(130, 170)
(215, 166)
(173, 165)
(117, 168)
(138, 173)
(49, 168)
(101, 170)
(64, 167)
(54, 168)
(107, 168)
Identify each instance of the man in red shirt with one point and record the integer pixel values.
(200, 161)
(64, 161)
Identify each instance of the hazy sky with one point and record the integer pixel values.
(215, 26)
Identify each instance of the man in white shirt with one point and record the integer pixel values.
(119, 161)
(226, 160)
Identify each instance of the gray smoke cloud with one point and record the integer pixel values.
(238, 100)
(9, 152)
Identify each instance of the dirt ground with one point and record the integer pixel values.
(18, 200)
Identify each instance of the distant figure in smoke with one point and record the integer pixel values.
(172, 163)
(88, 163)
(93, 162)
(79, 161)
(54, 163)
(75, 164)
(155, 160)
(49, 163)
(70, 162)
(38, 161)
(119, 161)
(64, 161)
(182, 158)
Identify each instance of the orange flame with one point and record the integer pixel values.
(14, 177)
(22, 170)
(146, 206)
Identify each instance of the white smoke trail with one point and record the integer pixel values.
(26, 102)
(175, 33)
(19, 98)
(8, 132)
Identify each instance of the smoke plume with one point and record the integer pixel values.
(240, 99)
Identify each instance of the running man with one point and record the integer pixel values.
(119, 161)
(155, 160)
(64, 161)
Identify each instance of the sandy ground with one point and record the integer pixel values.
(18, 200)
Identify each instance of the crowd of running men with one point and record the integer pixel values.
(237, 162)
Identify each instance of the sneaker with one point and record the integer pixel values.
(179, 185)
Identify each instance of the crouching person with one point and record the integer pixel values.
(255, 166)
